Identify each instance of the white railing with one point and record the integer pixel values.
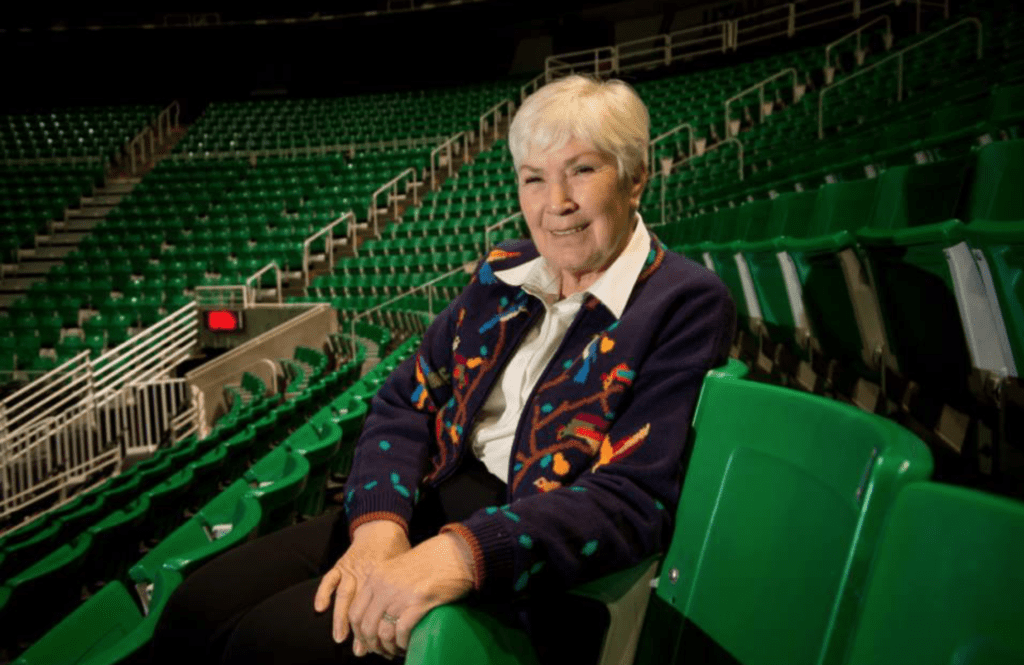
(252, 286)
(138, 146)
(329, 244)
(164, 123)
(372, 213)
(798, 92)
(150, 411)
(29, 161)
(781, 21)
(70, 424)
(428, 286)
(859, 53)
(732, 140)
(229, 296)
(494, 227)
(898, 57)
(496, 112)
(672, 132)
(531, 86)
(307, 151)
(447, 147)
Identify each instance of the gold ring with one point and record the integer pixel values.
(390, 619)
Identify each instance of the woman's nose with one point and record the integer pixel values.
(560, 202)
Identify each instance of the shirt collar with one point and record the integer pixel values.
(612, 288)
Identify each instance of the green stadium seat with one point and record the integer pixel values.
(110, 627)
(776, 524)
(944, 583)
(229, 519)
(277, 480)
(56, 578)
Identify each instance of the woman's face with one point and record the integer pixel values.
(578, 210)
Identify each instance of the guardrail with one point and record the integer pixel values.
(664, 175)
(446, 145)
(497, 225)
(307, 151)
(329, 249)
(898, 57)
(661, 137)
(163, 120)
(781, 21)
(496, 112)
(75, 421)
(531, 86)
(428, 286)
(137, 146)
(392, 197)
(250, 291)
(859, 53)
(798, 92)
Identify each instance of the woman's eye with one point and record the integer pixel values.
(531, 179)
(584, 168)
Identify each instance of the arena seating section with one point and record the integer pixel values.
(915, 194)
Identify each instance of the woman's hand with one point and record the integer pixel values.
(372, 544)
(435, 572)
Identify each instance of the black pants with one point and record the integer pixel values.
(254, 604)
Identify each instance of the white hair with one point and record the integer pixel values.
(608, 115)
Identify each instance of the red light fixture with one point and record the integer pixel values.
(221, 320)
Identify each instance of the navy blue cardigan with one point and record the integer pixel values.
(595, 472)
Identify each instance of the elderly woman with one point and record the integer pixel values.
(534, 442)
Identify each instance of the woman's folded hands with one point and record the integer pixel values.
(382, 588)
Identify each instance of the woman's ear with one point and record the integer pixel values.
(636, 186)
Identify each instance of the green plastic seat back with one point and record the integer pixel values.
(945, 586)
(724, 225)
(996, 193)
(792, 214)
(843, 206)
(780, 509)
(909, 196)
(95, 626)
(751, 217)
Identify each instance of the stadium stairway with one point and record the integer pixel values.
(65, 235)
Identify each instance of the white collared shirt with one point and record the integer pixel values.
(495, 427)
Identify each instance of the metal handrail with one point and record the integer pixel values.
(418, 287)
(140, 141)
(164, 119)
(898, 56)
(759, 87)
(675, 130)
(251, 291)
(495, 226)
(296, 151)
(856, 33)
(446, 145)
(532, 83)
(496, 111)
(768, 23)
(329, 230)
(371, 211)
(664, 180)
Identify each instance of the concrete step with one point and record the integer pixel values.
(80, 225)
(36, 267)
(91, 211)
(17, 285)
(45, 252)
(61, 237)
(8, 299)
(120, 186)
(101, 200)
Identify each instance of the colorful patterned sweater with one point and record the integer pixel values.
(595, 472)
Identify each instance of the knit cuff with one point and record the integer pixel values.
(374, 516)
(492, 548)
